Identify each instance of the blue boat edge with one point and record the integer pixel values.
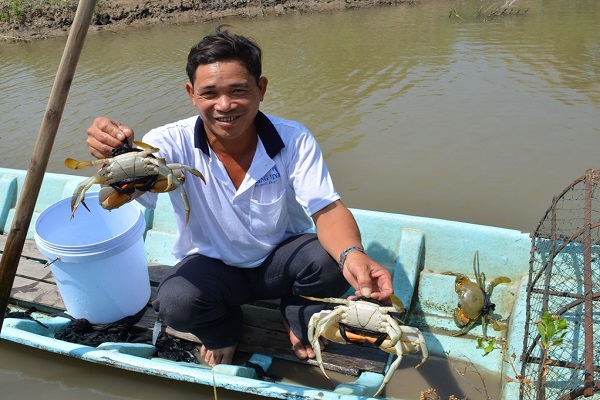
(418, 250)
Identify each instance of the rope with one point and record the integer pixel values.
(81, 331)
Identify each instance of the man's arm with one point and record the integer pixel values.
(337, 231)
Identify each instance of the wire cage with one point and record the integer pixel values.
(564, 279)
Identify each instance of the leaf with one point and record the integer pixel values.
(561, 324)
(547, 316)
(543, 336)
(489, 348)
(550, 330)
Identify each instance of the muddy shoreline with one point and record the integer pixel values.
(32, 21)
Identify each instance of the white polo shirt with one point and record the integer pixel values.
(287, 181)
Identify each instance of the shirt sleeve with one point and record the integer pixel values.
(309, 174)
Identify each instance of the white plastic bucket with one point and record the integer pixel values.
(98, 258)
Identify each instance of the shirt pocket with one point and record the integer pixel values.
(269, 218)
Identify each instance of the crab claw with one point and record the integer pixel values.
(499, 325)
(79, 195)
(110, 199)
(496, 282)
(397, 303)
(74, 164)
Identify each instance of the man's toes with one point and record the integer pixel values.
(310, 352)
(300, 350)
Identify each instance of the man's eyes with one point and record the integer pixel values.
(233, 93)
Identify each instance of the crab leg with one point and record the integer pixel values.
(393, 366)
(194, 171)
(465, 328)
(408, 335)
(74, 164)
(496, 282)
(186, 204)
(326, 300)
(478, 278)
(146, 146)
(79, 194)
(323, 321)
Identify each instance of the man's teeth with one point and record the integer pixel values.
(228, 119)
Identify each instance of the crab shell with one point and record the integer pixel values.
(131, 171)
(366, 321)
(471, 300)
(474, 300)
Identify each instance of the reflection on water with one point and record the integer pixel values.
(27, 374)
(416, 112)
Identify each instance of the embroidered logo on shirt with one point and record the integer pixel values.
(269, 179)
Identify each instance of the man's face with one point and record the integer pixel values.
(227, 98)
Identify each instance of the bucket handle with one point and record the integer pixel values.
(48, 263)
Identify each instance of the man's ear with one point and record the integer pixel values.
(262, 86)
(190, 91)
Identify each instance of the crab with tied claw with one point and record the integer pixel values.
(131, 169)
(365, 320)
(474, 301)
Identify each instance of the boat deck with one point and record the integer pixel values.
(263, 332)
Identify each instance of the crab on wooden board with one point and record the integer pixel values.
(131, 169)
(364, 320)
(474, 301)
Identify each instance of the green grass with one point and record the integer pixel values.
(11, 10)
(17, 10)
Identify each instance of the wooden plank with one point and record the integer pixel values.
(30, 249)
(30, 292)
(157, 272)
(36, 271)
(263, 333)
(348, 359)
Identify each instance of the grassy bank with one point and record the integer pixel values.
(34, 19)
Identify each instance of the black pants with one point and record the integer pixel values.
(202, 295)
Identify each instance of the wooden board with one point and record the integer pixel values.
(263, 331)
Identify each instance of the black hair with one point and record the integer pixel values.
(225, 46)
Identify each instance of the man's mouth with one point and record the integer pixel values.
(226, 119)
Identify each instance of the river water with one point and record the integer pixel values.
(419, 108)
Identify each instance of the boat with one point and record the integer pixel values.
(424, 255)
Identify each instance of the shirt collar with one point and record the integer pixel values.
(266, 132)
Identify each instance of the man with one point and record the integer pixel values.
(250, 234)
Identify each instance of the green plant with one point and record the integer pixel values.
(552, 330)
(12, 10)
(487, 347)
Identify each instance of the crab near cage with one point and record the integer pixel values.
(564, 279)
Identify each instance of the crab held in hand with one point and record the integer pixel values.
(131, 169)
(474, 301)
(365, 320)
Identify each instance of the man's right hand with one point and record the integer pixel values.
(106, 134)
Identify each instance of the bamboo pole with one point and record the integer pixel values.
(41, 151)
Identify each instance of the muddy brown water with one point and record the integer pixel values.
(416, 113)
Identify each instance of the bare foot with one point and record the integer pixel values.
(302, 351)
(216, 356)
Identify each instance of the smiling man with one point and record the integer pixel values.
(251, 233)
